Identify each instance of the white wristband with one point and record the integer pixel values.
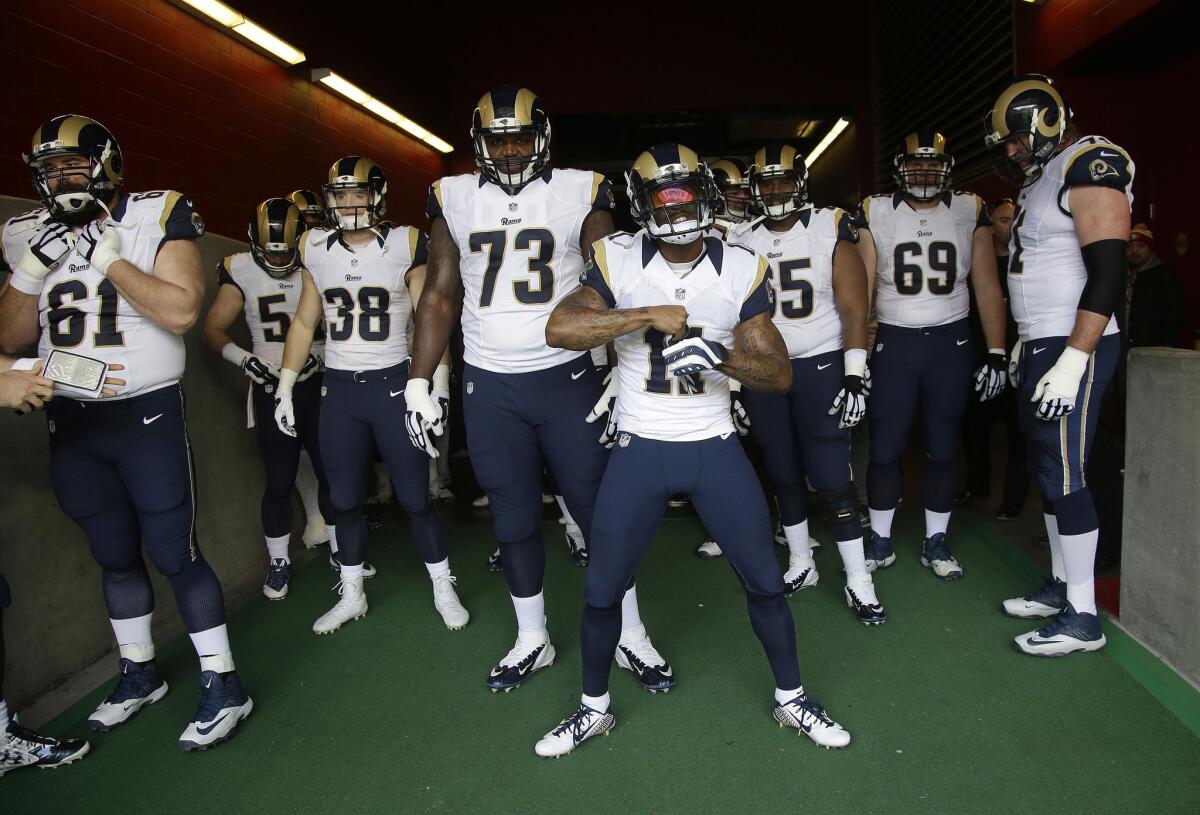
(26, 283)
(235, 353)
(441, 379)
(24, 364)
(1073, 361)
(287, 378)
(999, 351)
(854, 361)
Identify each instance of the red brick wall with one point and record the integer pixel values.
(193, 108)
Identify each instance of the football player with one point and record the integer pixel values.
(687, 312)
(822, 316)
(510, 242)
(264, 285)
(22, 388)
(116, 277)
(734, 206)
(311, 209)
(1066, 276)
(921, 244)
(362, 273)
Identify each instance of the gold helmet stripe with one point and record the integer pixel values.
(939, 142)
(291, 224)
(688, 158)
(523, 109)
(68, 130)
(487, 110)
(168, 206)
(646, 166)
(263, 222)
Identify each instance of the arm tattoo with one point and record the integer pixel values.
(759, 358)
(583, 321)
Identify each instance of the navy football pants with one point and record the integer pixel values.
(516, 424)
(359, 411)
(122, 470)
(641, 476)
(281, 453)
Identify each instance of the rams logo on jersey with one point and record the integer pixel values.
(1099, 169)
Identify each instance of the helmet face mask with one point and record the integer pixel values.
(312, 211)
(275, 237)
(733, 182)
(76, 165)
(672, 194)
(1025, 127)
(511, 135)
(922, 167)
(355, 195)
(778, 181)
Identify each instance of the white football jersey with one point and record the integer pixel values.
(81, 311)
(802, 275)
(1046, 274)
(270, 304)
(726, 287)
(519, 256)
(364, 293)
(923, 256)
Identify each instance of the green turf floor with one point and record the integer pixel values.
(391, 715)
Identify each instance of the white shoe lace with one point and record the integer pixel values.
(443, 589)
(351, 592)
(645, 652)
(520, 651)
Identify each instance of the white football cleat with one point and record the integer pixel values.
(445, 600)
(573, 731)
(936, 555)
(515, 667)
(368, 570)
(275, 587)
(639, 656)
(1041, 604)
(351, 606)
(440, 492)
(708, 550)
(807, 716)
(140, 684)
(314, 533)
(1068, 632)
(222, 706)
(481, 502)
(801, 574)
(21, 747)
(576, 545)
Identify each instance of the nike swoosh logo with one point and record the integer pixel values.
(394, 394)
(823, 367)
(667, 672)
(581, 373)
(960, 342)
(204, 731)
(152, 419)
(1110, 155)
(1032, 641)
(1038, 350)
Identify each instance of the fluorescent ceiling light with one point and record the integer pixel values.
(234, 21)
(829, 139)
(384, 111)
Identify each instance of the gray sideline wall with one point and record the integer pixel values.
(57, 624)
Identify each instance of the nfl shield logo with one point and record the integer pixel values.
(624, 440)
(681, 294)
(324, 390)
(354, 263)
(51, 424)
(470, 388)
(512, 207)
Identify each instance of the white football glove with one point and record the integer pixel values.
(1014, 366)
(285, 412)
(693, 355)
(422, 416)
(851, 400)
(991, 376)
(737, 409)
(607, 405)
(46, 251)
(312, 366)
(100, 243)
(1057, 388)
(440, 391)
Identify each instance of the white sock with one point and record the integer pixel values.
(1056, 553)
(797, 541)
(531, 616)
(306, 485)
(351, 572)
(133, 637)
(599, 703)
(855, 561)
(3, 716)
(630, 618)
(782, 696)
(881, 521)
(439, 569)
(936, 522)
(331, 531)
(1079, 560)
(212, 641)
(277, 548)
(566, 513)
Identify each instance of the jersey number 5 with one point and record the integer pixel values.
(801, 306)
(523, 290)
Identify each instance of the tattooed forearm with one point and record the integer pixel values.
(759, 358)
(583, 321)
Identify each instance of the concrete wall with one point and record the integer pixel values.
(1160, 562)
(57, 624)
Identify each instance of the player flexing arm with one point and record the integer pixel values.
(759, 357)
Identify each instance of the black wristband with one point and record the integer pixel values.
(1105, 263)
